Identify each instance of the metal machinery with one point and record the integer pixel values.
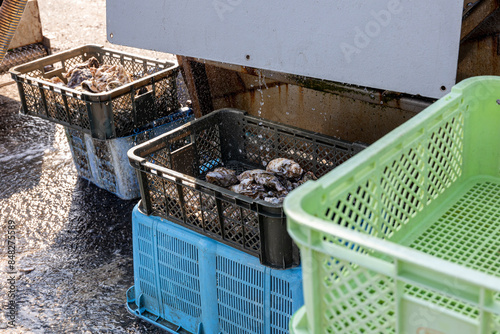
(460, 40)
(28, 42)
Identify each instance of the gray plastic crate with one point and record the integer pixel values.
(151, 95)
(173, 166)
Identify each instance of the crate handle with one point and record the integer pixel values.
(451, 285)
(406, 271)
(408, 264)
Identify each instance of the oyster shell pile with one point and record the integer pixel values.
(95, 78)
(271, 185)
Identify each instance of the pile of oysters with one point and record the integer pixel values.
(271, 185)
(92, 77)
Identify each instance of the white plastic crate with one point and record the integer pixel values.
(105, 162)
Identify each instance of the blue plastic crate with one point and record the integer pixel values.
(188, 283)
(105, 162)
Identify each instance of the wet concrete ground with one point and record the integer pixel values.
(73, 242)
(73, 258)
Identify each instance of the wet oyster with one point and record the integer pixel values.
(271, 185)
(77, 76)
(274, 200)
(248, 188)
(80, 72)
(262, 177)
(306, 177)
(285, 167)
(222, 177)
(250, 174)
(92, 77)
(106, 77)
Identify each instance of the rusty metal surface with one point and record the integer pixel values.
(350, 115)
(366, 94)
(197, 83)
(476, 14)
(479, 57)
(323, 112)
(479, 48)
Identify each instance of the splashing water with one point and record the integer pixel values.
(262, 82)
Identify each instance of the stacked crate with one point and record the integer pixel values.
(105, 162)
(405, 237)
(101, 127)
(185, 280)
(206, 259)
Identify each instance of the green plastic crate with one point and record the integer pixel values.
(405, 236)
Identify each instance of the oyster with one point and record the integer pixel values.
(80, 72)
(274, 200)
(285, 182)
(222, 177)
(273, 184)
(262, 177)
(248, 188)
(286, 167)
(249, 174)
(106, 77)
(308, 176)
(77, 76)
(92, 77)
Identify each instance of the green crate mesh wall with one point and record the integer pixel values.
(355, 299)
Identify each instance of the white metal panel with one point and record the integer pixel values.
(408, 46)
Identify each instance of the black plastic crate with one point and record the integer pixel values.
(172, 167)
(116, 113)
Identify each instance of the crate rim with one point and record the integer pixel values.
(145, 166)
(170, 66)
(295, 212)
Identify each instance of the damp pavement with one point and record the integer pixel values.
(73, 241)
(73, 258)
